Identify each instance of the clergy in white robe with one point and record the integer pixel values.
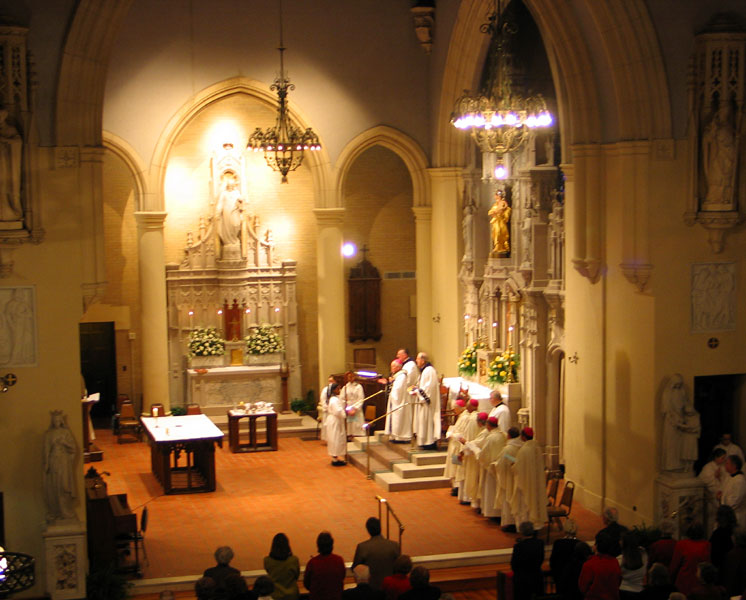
(352, 395)
(529, 501)
(427, 407)
(336, 419)
(453, 435)
(734, 490)
(500, 411)
(399, 417)
(409, 366)
(470, 458)
(713, 475)
(493, 445)
(322, 407)
(505, 479)
(730, 447)
(473, 428)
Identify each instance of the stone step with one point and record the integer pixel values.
(360, 461)
(412, 471)
(429, 457)
(391, 482)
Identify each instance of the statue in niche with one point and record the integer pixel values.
(681, 428)
(719, 158)
(59, 469)
(468, 230)
(499, 215)
(229, 210)
(11, 146)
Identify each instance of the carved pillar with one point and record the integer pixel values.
(424, 266)
(446, 304)
(92, 223)
(583, 189)
(331, 294)
(154, 311)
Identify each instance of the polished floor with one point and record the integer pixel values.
(296, 491)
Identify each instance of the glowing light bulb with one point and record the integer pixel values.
(348, 249)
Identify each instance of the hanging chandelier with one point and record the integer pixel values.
(499, 118)
(285, 144)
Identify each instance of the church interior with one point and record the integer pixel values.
(591, 228)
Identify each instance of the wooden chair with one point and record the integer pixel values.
(127, 422)
(563, 508)
(552, 486)
(193, 409)
(137, 539)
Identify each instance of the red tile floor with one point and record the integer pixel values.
(296, 491)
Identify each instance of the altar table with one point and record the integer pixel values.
(234, 419)
(195, 437)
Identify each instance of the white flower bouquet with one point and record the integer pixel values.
(206, 341)
(264, 340)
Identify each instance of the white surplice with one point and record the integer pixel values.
(427, 414)
(502, 413)
(353, 394)
(734, 495)
(336, 438)
(399, 422)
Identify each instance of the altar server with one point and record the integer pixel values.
(336, 438)
(352, 394)
(323, 407)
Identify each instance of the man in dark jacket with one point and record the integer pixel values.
(377, 553)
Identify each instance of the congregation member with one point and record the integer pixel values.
(730, 447)
(632, 562)
(713, 475)
(236, 588)
(613, 528)
(283, 567)
(505, 476)
(658, 584)
(733, 573)
(336, 420)
(494, 443)
(563, 548)
(377, 553)
(204, 588)
(601, 575)
(218, 573)
(399, 417)
(325, 572)
(661, 550)
(721, 540)
(263, 588)
(398, 582)
(453, 435)
(529, 501)
(352, 395)
(363, 590)
(687, 554)
(526, 561)
(427, 408)
(734, 489)
(469, 455)
(421, 589)
(567, 584)
(707, 586)
(500, 411)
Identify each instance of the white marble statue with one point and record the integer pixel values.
(229, 211)
(719, 157)
(681, 428)
(11, 146)
(60, 450)
(467, 226)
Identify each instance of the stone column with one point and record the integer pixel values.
(446, 295)
(423, 252)
(92, 220)
(331, 312)
(154, 311)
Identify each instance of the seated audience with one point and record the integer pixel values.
(632, 561)
(219, 572)
(398, 583)
(528, 556)
(661, 551)
(733, 575)
(687, 554)
(236, 589)
(567, 584)
(419, 578)
(707, 587)
(601, 575)
(562, 549)
(325, 572)
(283, 568)
(378, 553)
(204, 588)
(613, 529)
(721, 540)
(263, 587)
(363, 590)
(658, 585)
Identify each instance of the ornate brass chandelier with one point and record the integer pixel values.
(499, 118)
(285, 144)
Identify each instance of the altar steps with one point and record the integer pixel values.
(395, 467)
(288, 425)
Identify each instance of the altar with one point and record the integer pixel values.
(225, 387)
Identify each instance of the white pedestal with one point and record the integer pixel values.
(680, 498)
(224, 387)
(65, 552)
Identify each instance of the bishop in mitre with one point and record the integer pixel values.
(505, 479)
(453, 435)
(529, 502)
(493, 445)
(471, 453)
(470, 433)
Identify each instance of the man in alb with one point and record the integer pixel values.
(453, 435)
(500, 411)
(493, 445)
(713, 475)
(427, 407)
(336, 419)
(734, 489)
(323, 406)
(470, 431)
(399, 417)
(408, 365)
(529, 501)
(505, 476)
(469, 456)
(352, 394)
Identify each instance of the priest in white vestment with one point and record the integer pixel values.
(399, 417)
(493, 445)
(409, 366)
(734, 489)
(453, 435)
(505, 479)
(427, 408)
(529, 501)
(322, 407)
(730, 447)
(500, 411)
(713, 475)
(472, 431)
(470, 456)
(336, 420)
(352, 395)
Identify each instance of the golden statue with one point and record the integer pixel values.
(499, 219)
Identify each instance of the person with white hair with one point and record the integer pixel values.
(500, 411)
(613, 528)
(399, 412)
(363, 590)
(427, 407)
(222, 570)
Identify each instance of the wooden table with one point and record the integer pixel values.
(234, 420)
(191, 435)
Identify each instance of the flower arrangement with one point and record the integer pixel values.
(504, 367)
(467, 364)
(206, 341)
(264, 340)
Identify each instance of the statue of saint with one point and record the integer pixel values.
(719, 157)
(681, 428)
(11, 146)
(229, 211)
(59, 469)
(467, 226)
(499, 218)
